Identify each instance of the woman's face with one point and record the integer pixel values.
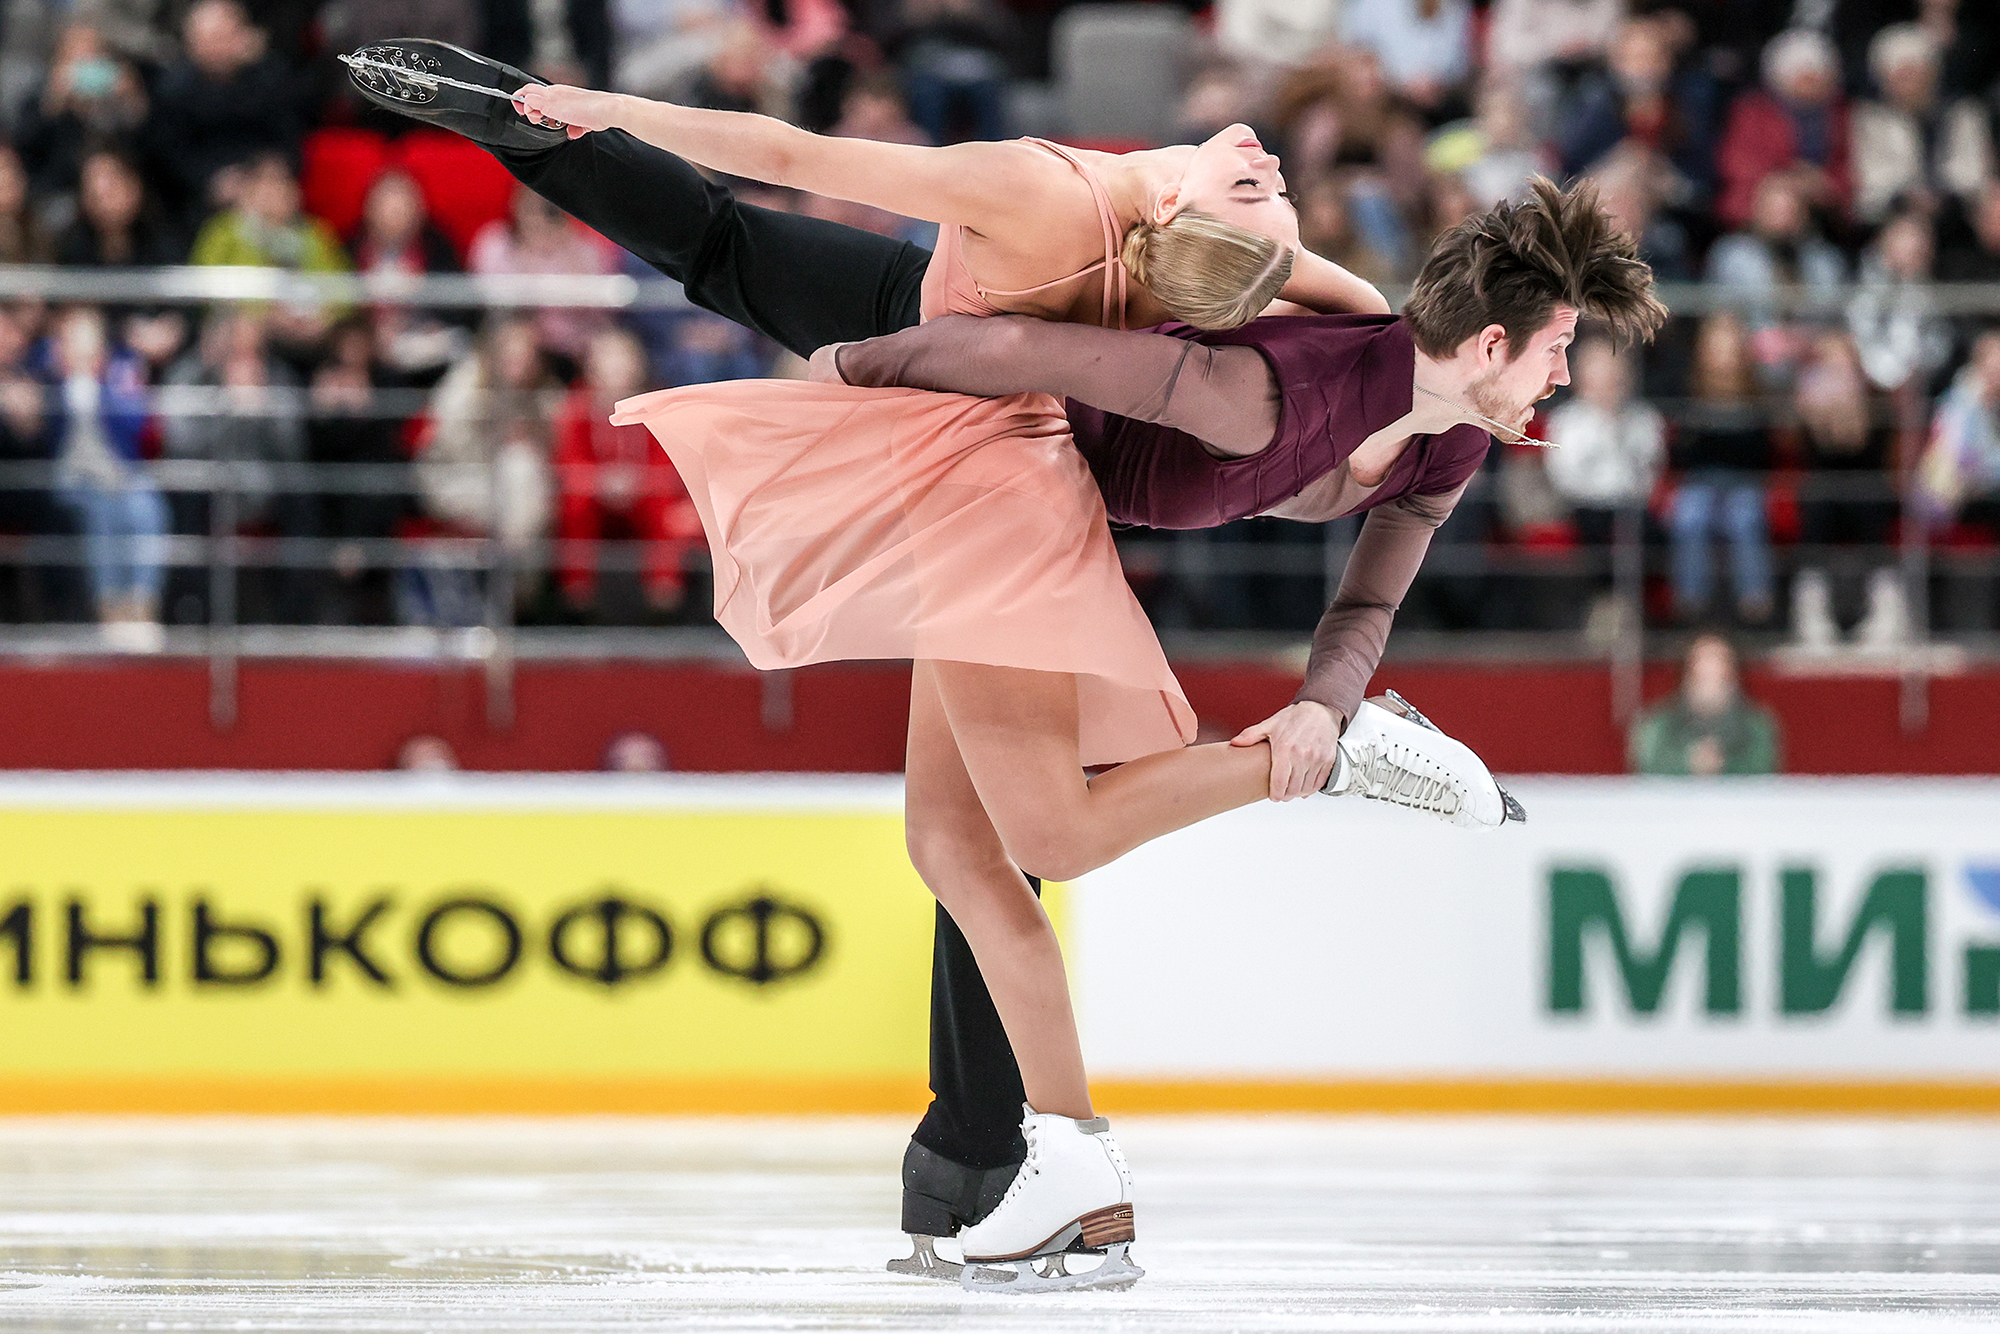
(111, 194)
(13, 182)
(395, 211)
(1232, 177)
(616, 367)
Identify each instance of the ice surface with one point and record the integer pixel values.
(1244, 1225)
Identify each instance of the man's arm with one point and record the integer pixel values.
(1347, 646)
(1223, 396)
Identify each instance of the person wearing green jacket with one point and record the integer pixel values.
(1708, 726)
(266, 229)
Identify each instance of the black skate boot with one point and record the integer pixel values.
(441, 84)
(940, 1197)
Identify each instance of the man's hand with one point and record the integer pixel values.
(1302, 737)
(582, 109)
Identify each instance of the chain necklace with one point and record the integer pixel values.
(1520, 438)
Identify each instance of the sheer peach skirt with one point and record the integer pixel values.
(894, 523)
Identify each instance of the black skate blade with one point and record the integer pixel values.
(1050, 1273)
(925, 1262)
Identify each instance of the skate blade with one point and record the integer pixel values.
(1510, 809)
(925, 1262)
(1050, 1273)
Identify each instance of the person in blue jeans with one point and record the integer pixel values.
(1724, 454)
(98, 411)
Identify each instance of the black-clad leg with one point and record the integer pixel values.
(802, 282)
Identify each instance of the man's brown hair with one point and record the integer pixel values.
(1515, 263)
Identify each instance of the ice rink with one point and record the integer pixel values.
(1245, 1224)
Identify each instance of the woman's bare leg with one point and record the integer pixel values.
(1016, 731)
(959, 855)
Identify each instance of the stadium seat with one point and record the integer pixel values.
(1119, 70)
(464, 187)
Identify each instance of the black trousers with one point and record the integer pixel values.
(803, 283)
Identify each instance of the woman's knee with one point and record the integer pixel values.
(1052, 854)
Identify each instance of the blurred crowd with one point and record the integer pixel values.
(1819, 164)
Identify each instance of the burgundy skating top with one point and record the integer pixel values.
(1339, 378)
(1187, 428)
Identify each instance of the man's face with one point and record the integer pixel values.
(1511, 386)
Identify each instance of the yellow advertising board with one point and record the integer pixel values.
(540, 945)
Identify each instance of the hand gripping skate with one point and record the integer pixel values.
(1401, 757)
(1072, 1196)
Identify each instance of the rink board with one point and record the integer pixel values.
(1837, 944)
(537, 945)
(586, 943)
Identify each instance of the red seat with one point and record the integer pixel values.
(464, 186)
(341, 163)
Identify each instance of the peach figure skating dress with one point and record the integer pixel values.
(897, 523)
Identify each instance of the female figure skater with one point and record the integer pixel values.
(1205, 234)
(968, 535)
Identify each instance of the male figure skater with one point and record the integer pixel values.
(1306, 418)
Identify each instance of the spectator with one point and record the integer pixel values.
(662, 43)
(1796, 124)
(538, 237)
(1960, 472)
(357, 23)
(953, 58)
(89, 95)
(1276, 32)
(1779, 250)
(1493, 154)
(397, 240)
(707, 348)
(1631, 182)
(267, 229)
(1903, 340)
(1846, 503)
(116, 225)
(1723, 451)
(352, 428)
(427, 754)
(1341, 115)
(1544, 47)
(1709, 726)
(1610, 449)
(615, 480)
(1326, 229)
(636, 753)
(1911, 146)
(31, 506)
(484, 468)
(1958, 479)
(1424, 47)
(234, 403)
(1643, 100)
(747, 72)
(1973, 252)
(98, 417)
(22, 240)
(224, 103)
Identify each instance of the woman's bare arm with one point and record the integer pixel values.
(973, 184)
(1222, 396)
(1324, 288)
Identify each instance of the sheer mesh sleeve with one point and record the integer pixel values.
(1347, 645)
(1223, 396)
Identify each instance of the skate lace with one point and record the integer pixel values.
(1031, 1166)
(1403, 777)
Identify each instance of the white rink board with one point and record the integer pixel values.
(1336, 939)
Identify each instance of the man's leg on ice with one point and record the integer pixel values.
(966, 1148)
(802, 282)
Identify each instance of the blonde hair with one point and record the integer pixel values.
(1210, 273)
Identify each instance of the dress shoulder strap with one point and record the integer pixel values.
(1113, 267)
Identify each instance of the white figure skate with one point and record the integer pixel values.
(1406, 760)
(1072, 1196)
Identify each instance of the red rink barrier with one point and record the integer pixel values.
(718, 718)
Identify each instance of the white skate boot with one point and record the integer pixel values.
(1406, 760)
(1073, 1196)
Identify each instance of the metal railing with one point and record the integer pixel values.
(1188, 570)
